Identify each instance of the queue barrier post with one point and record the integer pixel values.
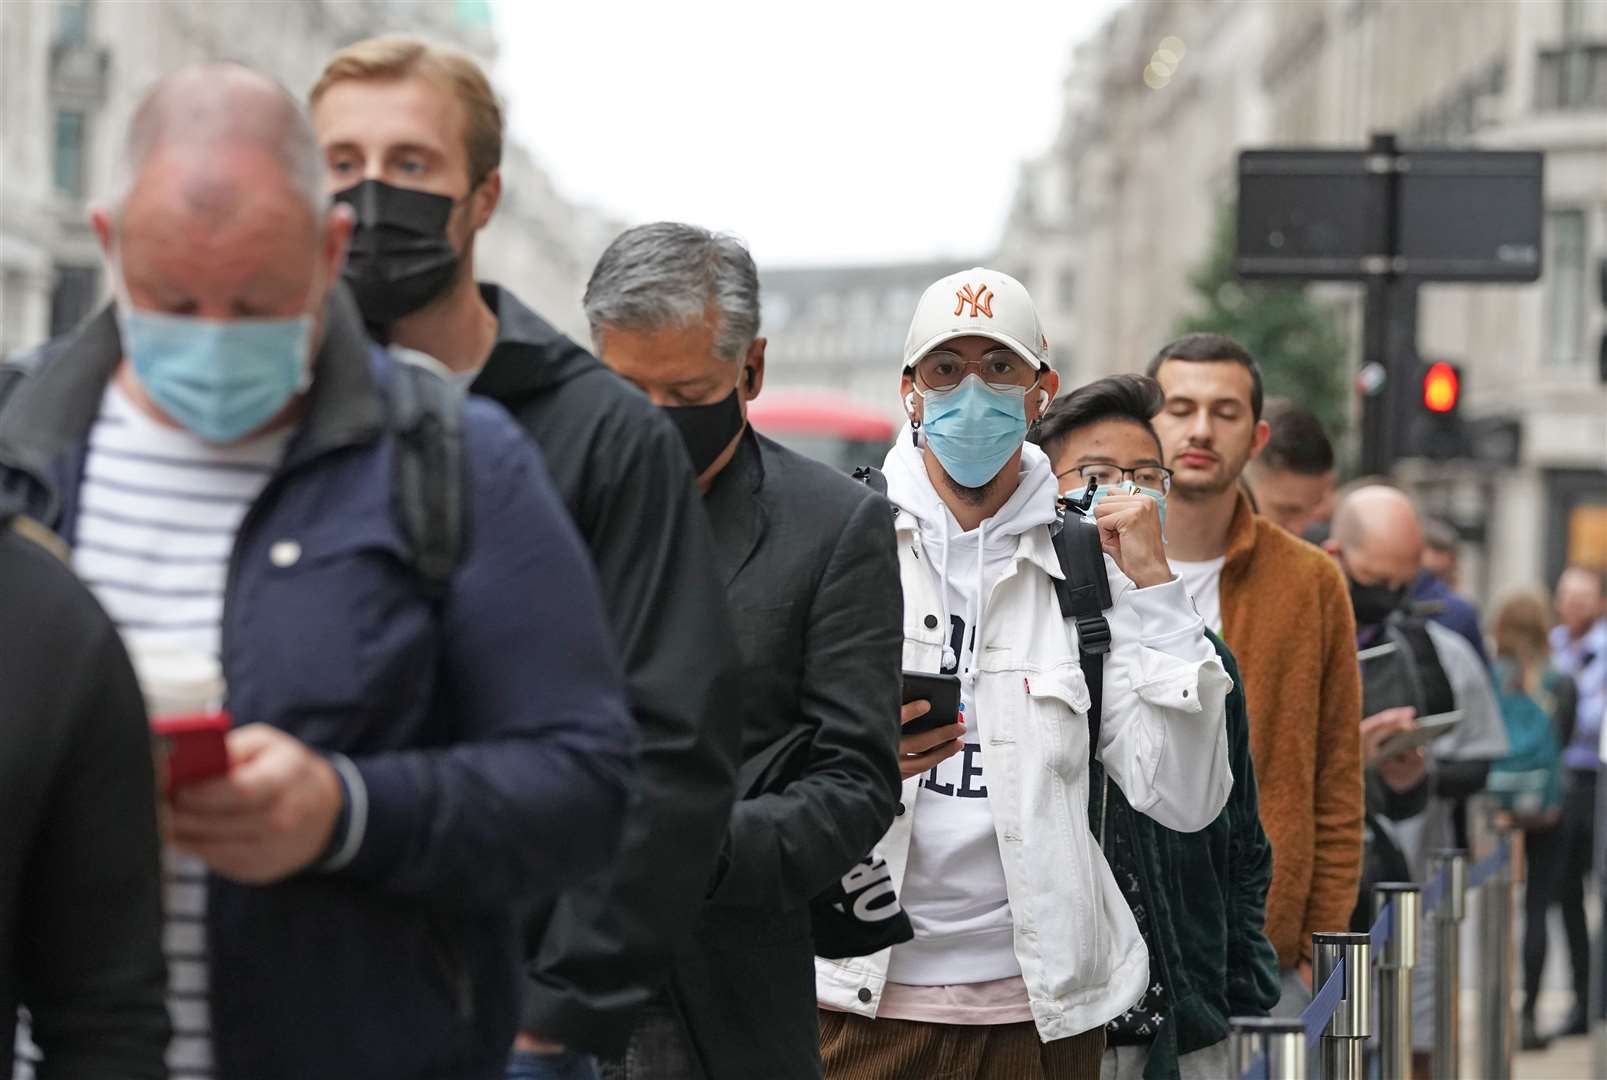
(1348, 1029)
(1450, 866)
(1495, 973)
(1267, 1047)
(1396, 957)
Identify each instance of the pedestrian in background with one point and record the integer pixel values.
(810, 572)
(1292, 478)
(1024, 945)
(1579, 650)
(80, 880)
(1199, 898)
(420, 753)
(1433, 590)
(1539, 705)
(412, 136)
(1412, 670)
(1282, 608)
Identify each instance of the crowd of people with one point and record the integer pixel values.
(521, 712)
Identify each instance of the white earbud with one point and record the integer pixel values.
(1043, 400)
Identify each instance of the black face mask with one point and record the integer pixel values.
(400, 258)
(1374, 603)
(708, 429)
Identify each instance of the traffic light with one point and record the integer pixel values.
(1440, 432)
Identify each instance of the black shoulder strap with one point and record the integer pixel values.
(1085, 596)
(873, 478)
(427, 420)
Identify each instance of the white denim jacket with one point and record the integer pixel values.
(1163, 738)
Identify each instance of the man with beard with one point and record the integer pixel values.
(412, 140)
(1024, 945)
(1282, 608)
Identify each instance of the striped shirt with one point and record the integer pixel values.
(158, 513)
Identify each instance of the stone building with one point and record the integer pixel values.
(73, 70)
(1161, 99)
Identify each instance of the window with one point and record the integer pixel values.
(72, 23)
(69, 161)
(1565, 286)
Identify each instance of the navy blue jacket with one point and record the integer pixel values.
(489, 727)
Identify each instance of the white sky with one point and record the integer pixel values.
(832, 131)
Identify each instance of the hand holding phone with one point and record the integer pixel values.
(191, 747)
(933, 722)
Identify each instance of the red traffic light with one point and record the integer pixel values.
(1441, 388)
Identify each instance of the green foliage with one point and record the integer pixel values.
(1296, 340)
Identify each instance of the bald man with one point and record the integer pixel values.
(220, 447)
(1412, 669)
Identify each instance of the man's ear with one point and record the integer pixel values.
(910, 399)
(1048, 387)
(338, 226)
(1331, 546)
(100, 219)
(484, 199)
(1258, 441)
(753, 370)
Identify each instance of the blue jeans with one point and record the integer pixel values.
(527, 1065)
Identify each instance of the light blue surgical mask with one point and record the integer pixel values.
(974, 428)
(1127, 487)
(220, 379)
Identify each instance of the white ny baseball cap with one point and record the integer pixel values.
(982, 303)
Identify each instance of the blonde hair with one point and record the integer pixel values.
(397, 56)
(1520, 630)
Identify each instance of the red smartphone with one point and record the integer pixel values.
(193, 746)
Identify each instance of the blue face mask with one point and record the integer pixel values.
(220, 379)
(974, 429)
(1126, 487)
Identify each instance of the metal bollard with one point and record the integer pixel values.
(1495, 971)
(1396, 959)
(1348, 1030)
(1281, 1043)
(1448, 960)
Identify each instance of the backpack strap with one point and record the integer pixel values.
(427, 421)
(1084, 596)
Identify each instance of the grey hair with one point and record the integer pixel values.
(202, 106)
(668, 274)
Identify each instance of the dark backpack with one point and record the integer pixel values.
(425, 414)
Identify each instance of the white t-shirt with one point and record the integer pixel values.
(954, 886)
(158, 513)
(1203, 581)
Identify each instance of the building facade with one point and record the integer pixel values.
(1161, 100)
(73, 70)
(842, 328)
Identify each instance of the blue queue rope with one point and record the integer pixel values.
(1326, 1001)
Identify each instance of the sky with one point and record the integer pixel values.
(825, 132)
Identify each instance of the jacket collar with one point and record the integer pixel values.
(736, 514)
(51, 412)
(1241, 532)
(510, 371)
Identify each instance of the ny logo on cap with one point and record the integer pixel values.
(979, 297)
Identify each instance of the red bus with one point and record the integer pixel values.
(824, 425)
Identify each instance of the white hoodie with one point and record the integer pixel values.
(1162, 738)
(954, 885)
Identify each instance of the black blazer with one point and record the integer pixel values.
(811, 573)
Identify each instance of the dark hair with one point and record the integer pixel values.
(1134, 398)
(1439, 535)
(1202, 348)
(1298, 443)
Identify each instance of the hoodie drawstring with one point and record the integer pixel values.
(950, 661)
(968, 676)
